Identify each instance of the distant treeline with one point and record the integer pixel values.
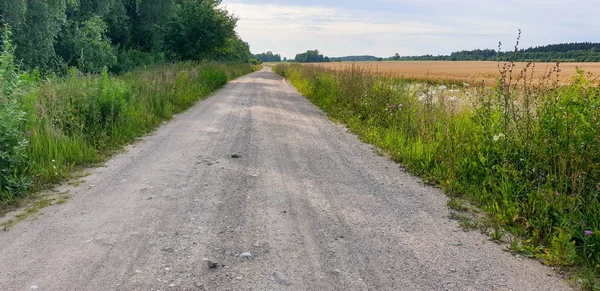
(268, 57)
(564, 52)
(355, 59)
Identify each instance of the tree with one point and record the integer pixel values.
(311, 56)
(93, 47)
(198, 29)
(235, 49)
(268, 57)
(35, 25)
(91, 34)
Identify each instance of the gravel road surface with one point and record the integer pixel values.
(255, 189)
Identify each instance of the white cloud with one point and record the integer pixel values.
(418, 27)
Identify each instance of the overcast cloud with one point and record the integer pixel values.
(409, 27)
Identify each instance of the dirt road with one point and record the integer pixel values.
(315, 209)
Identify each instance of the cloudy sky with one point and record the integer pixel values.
(410, 27)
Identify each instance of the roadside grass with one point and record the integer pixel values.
(50, 127)
(34, 204)
(525, 153)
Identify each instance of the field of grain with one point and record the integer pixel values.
(473, 72)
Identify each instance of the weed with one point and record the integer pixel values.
(457, 204)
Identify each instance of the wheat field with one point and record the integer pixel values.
(473, 72)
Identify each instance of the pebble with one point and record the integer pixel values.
(34, 286)
(210, 264)
(245, 255)
(280, 278)
(236, 156)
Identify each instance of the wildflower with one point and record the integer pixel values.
(431, 93)
(582, 222)
(468, 94)
(453, 91)
(466, 84)
(557, 194)
(453, 98)
(442, 88)
(53, 161)
(588, 232)
(498, 136)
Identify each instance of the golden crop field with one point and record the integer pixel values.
(473, 72)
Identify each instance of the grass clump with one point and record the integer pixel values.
(524, 151)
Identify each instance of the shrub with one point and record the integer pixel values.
(13, 158)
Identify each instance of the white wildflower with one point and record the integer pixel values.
(442, 87)
(453, 99)
(466, 84)
(453, 91)
(499, 136)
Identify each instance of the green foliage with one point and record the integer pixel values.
(564, 52)
(93, 49)
(234, 50)
(311, 57)
(268, 57)
(355, 59)
(53, 35)
(128, 60)
(198, 29)
(527, 156)
(13, 158)
(36, 24)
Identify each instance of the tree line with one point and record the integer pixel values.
(565, 52)
(53, 35)
(311, 56)
(268, 57)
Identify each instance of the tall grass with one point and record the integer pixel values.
(529, 156)
(50, 126)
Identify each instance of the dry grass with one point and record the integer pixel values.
(473, 72)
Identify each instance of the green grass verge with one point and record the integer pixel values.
(49, 127)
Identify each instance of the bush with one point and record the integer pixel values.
(13, 158)
(128, 60)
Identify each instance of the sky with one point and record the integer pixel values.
(410, 27)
